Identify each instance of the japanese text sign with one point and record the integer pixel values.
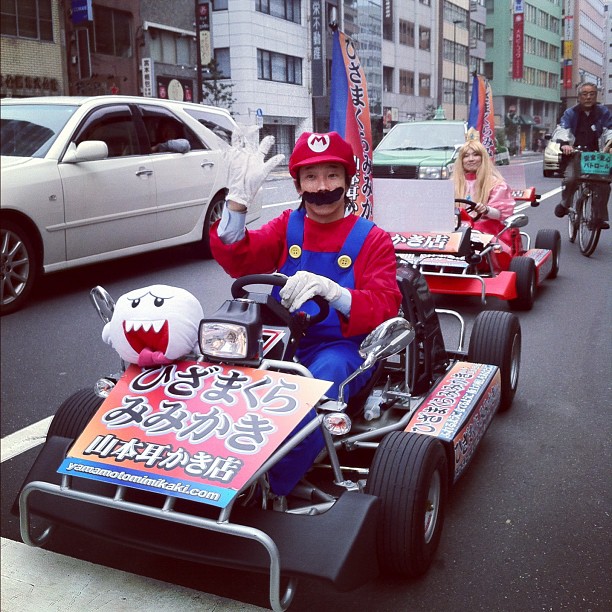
(192, 430)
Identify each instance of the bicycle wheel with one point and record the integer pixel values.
(588, 232)
(573, 219)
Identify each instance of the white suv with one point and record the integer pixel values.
(81, 183)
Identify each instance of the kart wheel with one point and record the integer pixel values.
(213, 214)
(74, 414)
(496, 339)
(525, 270)
(551, 240)
(548, 173)
(19, 266)
(409, 473)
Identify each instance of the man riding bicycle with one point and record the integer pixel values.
(586, 125)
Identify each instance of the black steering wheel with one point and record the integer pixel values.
(278, 280)
(469, 206)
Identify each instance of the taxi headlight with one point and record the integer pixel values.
(433, 172)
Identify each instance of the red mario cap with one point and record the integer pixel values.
(312, 148)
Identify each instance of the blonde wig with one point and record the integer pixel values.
(487, 175)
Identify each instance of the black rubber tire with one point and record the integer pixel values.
(573, 217)
(214, 212)
(409, 473)
(525, 270)
(588, 236)
(548, 173)
(550, 239)
(19, 266)
(496, 339)
(74, 414)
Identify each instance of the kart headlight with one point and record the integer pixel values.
(104, 386)
(337, 423)
(433, 172)
(233, 332)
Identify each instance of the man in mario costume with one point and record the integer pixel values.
(324, 251)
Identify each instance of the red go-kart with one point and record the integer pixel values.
(468, 262)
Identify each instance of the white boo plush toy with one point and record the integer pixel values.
(155, 325)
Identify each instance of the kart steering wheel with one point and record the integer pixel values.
(278, 280)
(469, 206)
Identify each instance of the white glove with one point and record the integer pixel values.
(303, 286)
(246, 169)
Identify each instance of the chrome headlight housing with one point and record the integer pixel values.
(233, 333)
(433, 172)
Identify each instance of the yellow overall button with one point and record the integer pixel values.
(344, 261)
(295, 251)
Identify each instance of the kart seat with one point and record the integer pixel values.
(428, 356)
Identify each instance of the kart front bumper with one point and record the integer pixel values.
(337, 546)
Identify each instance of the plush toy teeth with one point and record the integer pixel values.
(152, 335)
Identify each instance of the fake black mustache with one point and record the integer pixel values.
(319, 198)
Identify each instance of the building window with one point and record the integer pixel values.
(424, 85)
(112, 32)
(406, 33)
(406, 82)
(452, 12)
(388, 30)
(279, 67)
(424, 38)
(169, 48)
(284, 9)
(219, 5)
(27, 19)
(455, 52)
(223, 62)
(387, 79)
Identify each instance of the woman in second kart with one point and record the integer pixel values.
(477, 179)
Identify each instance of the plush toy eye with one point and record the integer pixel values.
(158, 302)
(135, 303)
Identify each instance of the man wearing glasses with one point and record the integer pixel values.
(587, 125)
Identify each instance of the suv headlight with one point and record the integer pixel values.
(433, 172)
(233, 333)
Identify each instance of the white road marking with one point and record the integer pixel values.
(23, 440)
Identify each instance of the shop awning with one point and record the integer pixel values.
(526, 120)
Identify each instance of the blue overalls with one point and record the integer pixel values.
(324, 350)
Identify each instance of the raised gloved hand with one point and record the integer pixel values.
(303, 286)
(246, 169)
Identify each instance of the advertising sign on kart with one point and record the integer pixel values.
(193, 430)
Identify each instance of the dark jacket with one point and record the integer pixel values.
(566, 130)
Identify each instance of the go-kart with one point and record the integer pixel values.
(374, 500)
(468, 262)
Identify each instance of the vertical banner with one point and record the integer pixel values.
(350, 117)
(481, 117)
(316, 42)
(517, 40)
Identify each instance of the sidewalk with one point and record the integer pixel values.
(37, 580)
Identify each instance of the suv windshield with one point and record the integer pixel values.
(29, 130)
(423, 136)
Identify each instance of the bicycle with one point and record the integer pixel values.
(595, 169)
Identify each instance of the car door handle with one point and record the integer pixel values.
(206, 163)
(144, 172)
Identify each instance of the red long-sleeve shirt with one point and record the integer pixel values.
(376, 296)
